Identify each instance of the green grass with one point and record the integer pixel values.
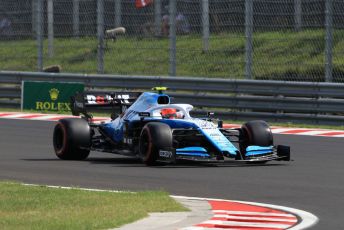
(40, 207)
(285, 55)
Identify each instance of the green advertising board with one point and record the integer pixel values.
(48, 96)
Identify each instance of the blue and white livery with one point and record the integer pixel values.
(157, 131)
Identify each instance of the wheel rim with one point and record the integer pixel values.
(145, 145)
(59, 141)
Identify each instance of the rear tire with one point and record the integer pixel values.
(154, 136)
(72, 139)
(255, 133)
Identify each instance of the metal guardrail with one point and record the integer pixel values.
(306, 102)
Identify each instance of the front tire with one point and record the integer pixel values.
(154, 136)
(255, 133)
(72, 139)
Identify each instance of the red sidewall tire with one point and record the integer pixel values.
(146, 154)
(154, 136)
(72, 139)
(62, 144)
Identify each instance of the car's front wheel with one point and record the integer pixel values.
(255, 133)
(154, 136)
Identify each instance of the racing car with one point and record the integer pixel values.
(149, 127)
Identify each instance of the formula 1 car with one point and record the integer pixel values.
(156, 131)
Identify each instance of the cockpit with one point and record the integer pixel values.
(171, 111)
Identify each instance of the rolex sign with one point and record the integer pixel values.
(48, 96)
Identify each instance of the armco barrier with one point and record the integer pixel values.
(306, 102)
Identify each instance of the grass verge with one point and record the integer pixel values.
(41, 207)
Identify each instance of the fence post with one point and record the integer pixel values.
(249, 38)
(205, 24)
(329, 41)
(157, 17)
(118, 13)
(39, 34)
(34, 16)
(297, 15)
(100, 36)
(76, 18)
(50, 28)
(172, 37)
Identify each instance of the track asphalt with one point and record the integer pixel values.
(313, 182)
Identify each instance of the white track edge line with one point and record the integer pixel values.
(78, 188)
(237, 224)
(253, 213)
(205, 228)
(261, 218)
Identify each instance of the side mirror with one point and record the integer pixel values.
(113, 116)
(220, 124)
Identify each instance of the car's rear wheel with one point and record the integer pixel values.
(255, 133)
(154, 136)
(72, 139)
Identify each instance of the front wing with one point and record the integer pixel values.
(280, 153)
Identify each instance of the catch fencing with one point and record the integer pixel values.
(292, 40)
(278, 101)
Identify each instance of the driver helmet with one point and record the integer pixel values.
(169, 113)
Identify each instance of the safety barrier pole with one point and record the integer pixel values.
(329, 41)
(249, 38)
(100, 36)
(39, 34)
(172, 37)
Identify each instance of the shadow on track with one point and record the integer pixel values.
(134, 162)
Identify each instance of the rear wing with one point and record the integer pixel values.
(82, 101)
